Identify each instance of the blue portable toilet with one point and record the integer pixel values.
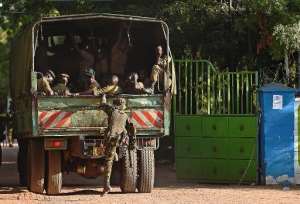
(276, 150)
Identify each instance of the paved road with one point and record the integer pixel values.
(167, 190)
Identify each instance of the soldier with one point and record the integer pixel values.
(134, 86)
(43, 84)
(112, 88)
(159, 67)
(89, 84)
(117, 121)
(61, 88)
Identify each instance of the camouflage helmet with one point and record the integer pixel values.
(120, 103)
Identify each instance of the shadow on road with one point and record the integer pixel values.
(81, 192)
(12, 190)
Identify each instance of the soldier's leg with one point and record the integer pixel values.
(110, 153)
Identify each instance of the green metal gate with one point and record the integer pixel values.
(215, 123)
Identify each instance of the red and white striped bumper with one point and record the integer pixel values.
(147, 118)
(54, 119)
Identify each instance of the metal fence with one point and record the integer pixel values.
(202, 89)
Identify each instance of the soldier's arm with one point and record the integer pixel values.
(48, 88)
(105, 89)
(108, 109)
(68, 93)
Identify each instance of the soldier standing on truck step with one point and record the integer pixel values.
(117, 121)
(44, 84)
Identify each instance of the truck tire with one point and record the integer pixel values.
(146, 168)
(54, 173)
(129, 172)
(36, 165)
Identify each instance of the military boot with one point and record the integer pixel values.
(107, 188)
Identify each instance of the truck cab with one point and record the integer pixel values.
(67, 133)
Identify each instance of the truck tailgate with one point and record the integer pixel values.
(84, 114)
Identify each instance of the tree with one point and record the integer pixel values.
(286, 42)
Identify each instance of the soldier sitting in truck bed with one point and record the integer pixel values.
(88, 85)
(44, 84)
(61, 88)
(111, 88)
(134, 86)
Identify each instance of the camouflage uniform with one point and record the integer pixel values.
(87, 87)
(117, 122)
(92, 89)
(158, 69)
(43, 87)
(61, 89)
(43, 84)
(109, 89)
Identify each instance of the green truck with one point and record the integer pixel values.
(59, 134)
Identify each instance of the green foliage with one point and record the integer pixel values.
(251, 34)
(287, 39)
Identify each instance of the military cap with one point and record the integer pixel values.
(51, 73)
(89, 72)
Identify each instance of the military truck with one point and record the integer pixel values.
(59, 134)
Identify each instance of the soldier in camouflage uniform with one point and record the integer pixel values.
(159, 67)
(117, 122)
(134, 86)
(88, 83)
(61, 88)
(112, 88)
(44, 84)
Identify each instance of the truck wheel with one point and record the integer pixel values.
(36, 165)
(54, 174)
(129, 172)
(146, 170)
